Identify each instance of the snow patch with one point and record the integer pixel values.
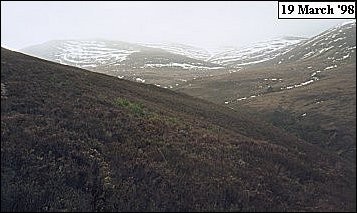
(331, 67)
(181, 65)
(240, 99)
(140, 80)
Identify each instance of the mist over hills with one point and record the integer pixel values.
(125, 60)
(163, 64)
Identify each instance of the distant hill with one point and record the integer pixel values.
(75, 140)
(332, 46)
(182, 49)
(125, 60)
(256, 53)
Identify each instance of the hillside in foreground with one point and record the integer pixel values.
(74, 140)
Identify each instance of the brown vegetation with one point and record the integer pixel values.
(73, 140)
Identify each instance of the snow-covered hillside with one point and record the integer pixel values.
(332, 46)
(182, 49)
(256, 53)
(113, 55)
(169, 64)
(91, 54)
(85, 53)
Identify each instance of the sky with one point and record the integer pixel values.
(202, 24)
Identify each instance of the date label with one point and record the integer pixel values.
(316, 10)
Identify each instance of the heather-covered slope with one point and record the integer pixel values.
(73, 140)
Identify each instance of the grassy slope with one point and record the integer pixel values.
(330, 102)
(76, 140)
(330, 105)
